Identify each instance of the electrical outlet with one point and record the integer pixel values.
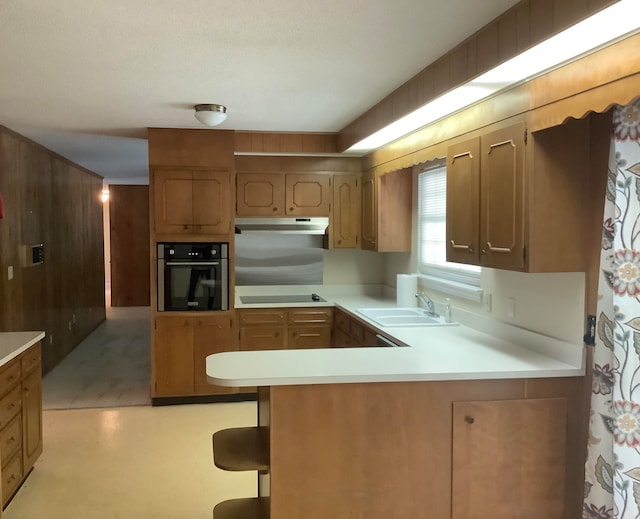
(10, 272)
(511, 307)
(487, 302)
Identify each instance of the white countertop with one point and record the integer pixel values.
(13, 344)
(479, 348)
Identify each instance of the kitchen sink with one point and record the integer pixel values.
(402, 317)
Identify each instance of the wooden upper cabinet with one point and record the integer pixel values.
(502, 205)
(463, 202)
(345, 212)
(307, 194)
(485, 199)
(260, 194)
(192, 202)
(521, 202)
(369, 219)
(280, 194)
(386, 211)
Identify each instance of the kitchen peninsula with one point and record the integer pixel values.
(460, 424)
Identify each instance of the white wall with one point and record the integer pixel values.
(352, 267)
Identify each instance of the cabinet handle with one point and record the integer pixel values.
(498, 249)
(456, 246)
(469, 419)
(498, 144)
(460, 155)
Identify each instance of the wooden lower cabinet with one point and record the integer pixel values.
(349, 332)
(180, 347)
(211, 335)
(20, 419)
(425, 450)
(285, 328)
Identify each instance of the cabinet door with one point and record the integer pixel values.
(502, 202)
(308, 194)
(394, 206)
(345, 212)
(210, 335)
(369, 212)
(260, 194)
(308, 336)
(463, 202)
(509, 459)
(173, 198)
(173, 356)
(31, 419)
(340, 339)
(211, 202)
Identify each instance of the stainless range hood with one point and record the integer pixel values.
(304, 225)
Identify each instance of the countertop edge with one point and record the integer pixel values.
(26, 339)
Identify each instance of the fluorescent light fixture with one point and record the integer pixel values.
(613, 23)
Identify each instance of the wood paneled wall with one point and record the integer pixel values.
(521, 27)
(129, 224)
(52, 201)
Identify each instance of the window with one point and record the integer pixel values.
(453, 278)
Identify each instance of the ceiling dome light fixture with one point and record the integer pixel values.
(211, 115)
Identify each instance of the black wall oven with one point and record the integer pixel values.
(193, 277)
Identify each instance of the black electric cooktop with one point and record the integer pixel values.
(287, 298)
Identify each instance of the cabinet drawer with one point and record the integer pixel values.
(9, 406)
(11, 477)
(310, 315)
(254, 338)
(342, 322)
(301, 337)
(30, 359)
(250, 317)
(10, 440)
(9, 376)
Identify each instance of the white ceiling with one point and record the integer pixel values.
(85, 78)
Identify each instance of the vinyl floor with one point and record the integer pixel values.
(110, 368)
(133, 463)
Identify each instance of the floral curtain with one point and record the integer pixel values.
(612, 479)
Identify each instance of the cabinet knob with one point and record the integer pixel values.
(470, 249)
(291, 209)
(339, 242)
(469, 419)
(275, 209)
(483, 251)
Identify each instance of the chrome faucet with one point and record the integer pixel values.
(431, 308)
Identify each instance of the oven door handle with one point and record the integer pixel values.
(192, 264)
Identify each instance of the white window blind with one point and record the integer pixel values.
(454, 278)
